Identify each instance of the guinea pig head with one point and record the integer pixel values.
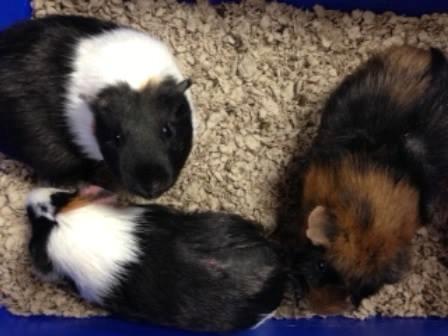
(145, 135)
(360, 221)
(315, 280)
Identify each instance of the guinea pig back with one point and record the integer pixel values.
(195, 271)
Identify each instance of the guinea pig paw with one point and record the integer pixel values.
(46, 277)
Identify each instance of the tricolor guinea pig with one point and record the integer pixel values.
(84, 99)
(377, 171)
(195, 271)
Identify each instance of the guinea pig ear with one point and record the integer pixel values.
(184, 85)
(93, 102)
(321, 228)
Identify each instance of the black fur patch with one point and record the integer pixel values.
(60, 199)
(202, 272)
(35, 63)
(40, 230)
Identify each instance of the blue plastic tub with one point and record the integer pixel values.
(402, 7)
(15, 10)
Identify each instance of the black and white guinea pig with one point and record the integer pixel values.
(82, 99)
(195, 271)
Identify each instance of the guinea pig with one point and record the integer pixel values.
(376, 172)
(196, 271)
(88, 100)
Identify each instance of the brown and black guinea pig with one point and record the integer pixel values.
(376, 172)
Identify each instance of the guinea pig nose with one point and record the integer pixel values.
(151, 181)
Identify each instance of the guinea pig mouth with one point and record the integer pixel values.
(90, 195)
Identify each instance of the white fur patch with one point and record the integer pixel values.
(120, 55)
(40, 201)
(91, 245)
(263, 319)
(194, 118)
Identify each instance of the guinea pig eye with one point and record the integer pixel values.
(167, 131)
(114, 140)
(117, 139)
(322, 266)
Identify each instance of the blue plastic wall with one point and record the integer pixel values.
(105, 326)
(10, 325)
(13, 10)
(403, 7)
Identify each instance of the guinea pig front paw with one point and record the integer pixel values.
(46, 277)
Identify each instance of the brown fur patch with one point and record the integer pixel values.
(89, 195)
(150, 83)
(329, 300)
(361, 251)
(405, 76)
(76, 203)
